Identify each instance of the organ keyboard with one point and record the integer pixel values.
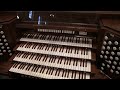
(47, 72)
(56, 50)
(60, 40)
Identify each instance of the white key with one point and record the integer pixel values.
(16, 69)
(57, 76)
(25, 49)
(77, 53)
(63, 76)
(43, 50)
(84, 44)
(50, 76)
(81, 42)
(47, 62)
(73, 53)
(77, 75)
(66, 74)
(21, 70)
(33, 59)
(65, 40)
(84, 56)
(38, 72)
(21, 59)
(29, 72)
(87, 76)
(55, 64)
(28, 58)
(60, 74)
(89, 66)
(67, 66)
(36, 50)
(87, 44)
(82, 53)
(58, 64)
(78, 65)
(54, 61)
(71, 63)
(73, 75)
(64, 52)
(74, 66)
(89, 53)
(83, 75)
(82, 68)
(44, 75)
(53, 75)
(80, 74)
(70, 75)
(24, 70)
(90, 42)
(62, 63)
(32, 72)
(41, 62)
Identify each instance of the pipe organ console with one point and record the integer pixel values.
(46, 49)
